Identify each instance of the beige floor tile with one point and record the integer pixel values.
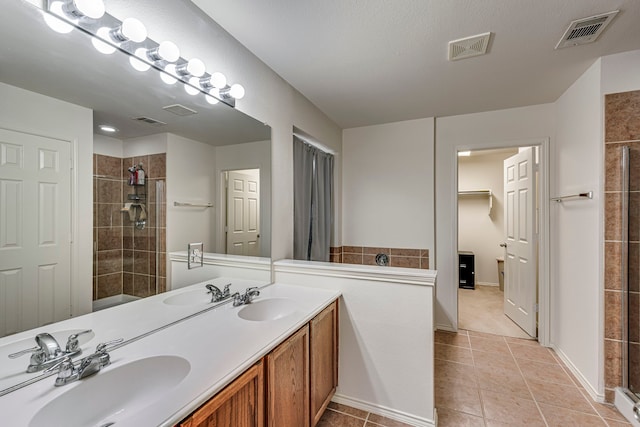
(453, 353)
(460, 374)
(375, 420)
(502, 361)
(544, 372)
(481, 309)
(566, 396)
(489, 345)
(460, 339)
(336, 419)
(538, 353)
(510, 409)
(522, 341)
(348, 410)
(461, 399)
(608, 411)
(487, 335)
(562, 417)
(448, 418)
(508, 383)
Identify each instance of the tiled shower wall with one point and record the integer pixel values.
(622, 128)
(398, 257)
(125, 258)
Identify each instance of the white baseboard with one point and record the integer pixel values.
(487, 284)
(394, 414)
(445, 327)
(598, 397)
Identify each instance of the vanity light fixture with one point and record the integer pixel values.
(130, 37)
(166, 51)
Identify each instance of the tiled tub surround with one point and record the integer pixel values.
(365, 255)
(622, 128)
(125, 258)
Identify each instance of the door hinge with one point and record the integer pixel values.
(537, 308)
(226, 229)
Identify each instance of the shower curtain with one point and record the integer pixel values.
(312, 202)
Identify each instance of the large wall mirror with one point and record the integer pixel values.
(160, 182)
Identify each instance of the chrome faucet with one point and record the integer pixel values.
(90, 365)
(216, 294)
(48, 352)
(246, 298)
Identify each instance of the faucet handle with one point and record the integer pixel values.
(72, 341)
(65, 364)
(23, 352)
(226, 291)
(101, 348)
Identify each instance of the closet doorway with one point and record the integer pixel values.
(497, 227)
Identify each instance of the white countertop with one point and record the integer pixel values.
(217, 344)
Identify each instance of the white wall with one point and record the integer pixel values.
(145, 145)
(477, 231)
(29, 112)
(576, 227)
(388, 185)
(620, 72)
(494, 129)
(252, 155)
(190, 166)
(107, 146)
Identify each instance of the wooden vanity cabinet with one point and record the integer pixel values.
(323, 331)
(288, 382)
(240, 404)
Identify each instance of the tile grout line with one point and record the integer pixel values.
(526, 383)
(473, 360)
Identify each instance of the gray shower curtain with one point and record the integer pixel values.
(312, 202)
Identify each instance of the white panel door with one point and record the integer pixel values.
(520, 251)
(35, 230)
(243, 214)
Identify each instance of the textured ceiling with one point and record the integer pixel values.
(366, 62)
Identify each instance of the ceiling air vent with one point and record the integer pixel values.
(469, 46)
(149, 121)
(586, 30)
(179, 110)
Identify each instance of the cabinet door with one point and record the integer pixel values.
(324, 360)
(288, 382)
(240, 404)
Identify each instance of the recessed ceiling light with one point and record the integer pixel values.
(107, 128)
(464, 153)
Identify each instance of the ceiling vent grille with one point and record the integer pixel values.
(149, 121)
(179, 110)
(586, 30)
(469, 46)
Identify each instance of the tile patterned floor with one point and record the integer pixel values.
(338, 415)
(488, 380)
(491, 380)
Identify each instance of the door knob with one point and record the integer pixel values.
(503, 245)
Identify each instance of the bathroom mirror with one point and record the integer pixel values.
(185, 145)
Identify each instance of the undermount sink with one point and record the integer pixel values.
(268, 309)
(192, 297)
(114, 395)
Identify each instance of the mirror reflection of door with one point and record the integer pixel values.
(243, 212)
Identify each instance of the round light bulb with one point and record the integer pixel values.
(169, 51)
(136, 61)
(100, 45)
(218, 80)
(93, 9)
(211, 100)
(134, 30)
(236, 91)
(190, 89)
(168, 78)
(55, 23)
(196, 67)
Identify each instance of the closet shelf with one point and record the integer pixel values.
(481, 193)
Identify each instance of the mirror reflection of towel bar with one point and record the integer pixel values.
(193, 205)
(587, 195)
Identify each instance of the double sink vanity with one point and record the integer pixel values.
(180, 359)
